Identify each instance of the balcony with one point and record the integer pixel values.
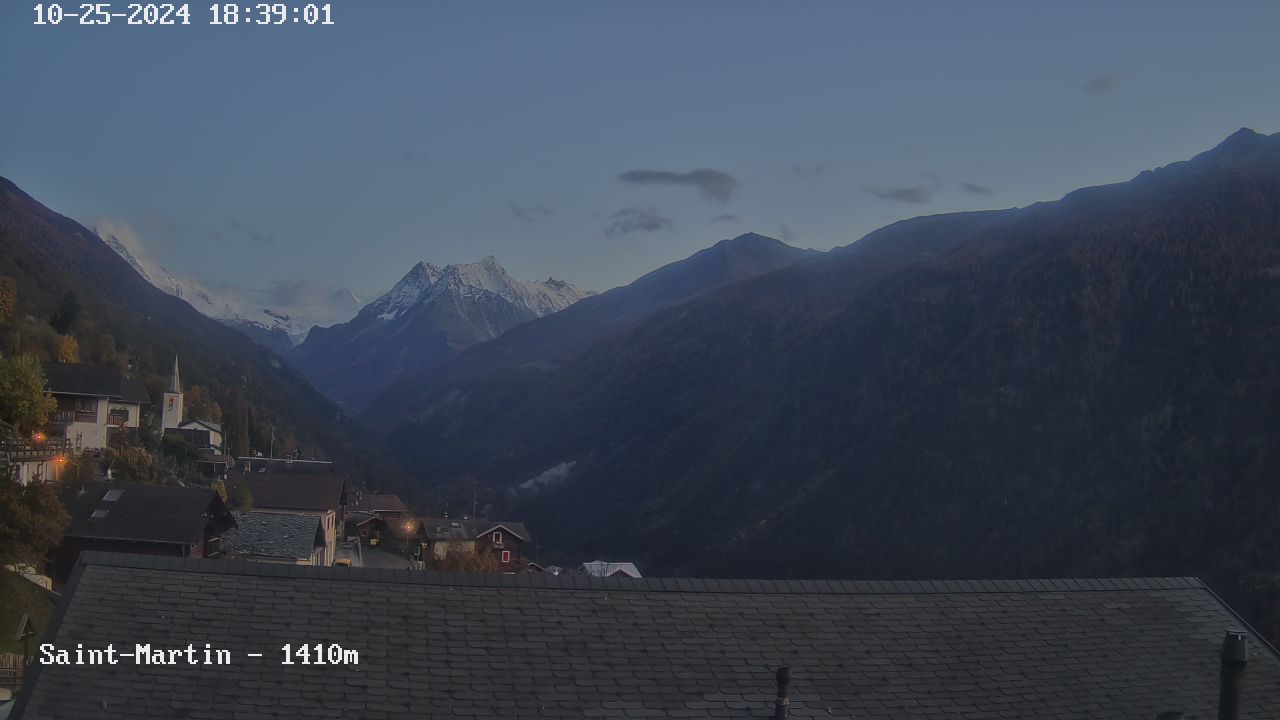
(19, 449)
(66, 417)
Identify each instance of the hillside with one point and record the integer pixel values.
(492, 374)
(427, 318)
(121, 317)
(1082, 387)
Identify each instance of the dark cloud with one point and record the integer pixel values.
(915, 194)
(637, 219)
(1101, 85)
(726, 218)
(714, 185)
(975, 188)
(529, 212)
(810, 171)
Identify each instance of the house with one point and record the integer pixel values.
(446, 645)
(146, 519)
(275, 537)
(94, 402)
(504, 539)
(298, 487)
(213, 430)
(38, 458)
(389, 507)
(601, 568)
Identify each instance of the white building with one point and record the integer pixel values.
(171, 410)
(94, 401)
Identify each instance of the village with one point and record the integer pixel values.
(253, 508)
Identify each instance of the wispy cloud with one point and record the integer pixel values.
(637, 219)
(810, 171)
(914, 194)
(1101, 85)
(975, 188)
(529, 212)
(727, 217)
(787, 234)
(714, 185)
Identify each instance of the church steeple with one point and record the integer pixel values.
(175, 384)
(171, 411)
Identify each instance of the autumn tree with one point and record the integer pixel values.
(31, 519)
(68, 349)
(8, 298)
(24, 404)
(200, 405)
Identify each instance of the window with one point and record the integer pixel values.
(112, 496)
(497, 538)
(99, 514)
(506, 556)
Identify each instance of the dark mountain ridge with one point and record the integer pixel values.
(1079, 387)
(496, 369)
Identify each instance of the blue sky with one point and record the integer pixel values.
(448, 131)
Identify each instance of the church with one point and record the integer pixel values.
(201, 434)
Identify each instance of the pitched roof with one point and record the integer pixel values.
(141, 513)
(94, 380)
(284, 466)
(576, 646)
(207, 424)
(274, 535)
(376, 502)
(284, 491)
(603, 568)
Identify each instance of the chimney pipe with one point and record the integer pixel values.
(782, 706)
(1235, 656)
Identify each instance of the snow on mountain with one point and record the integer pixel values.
(427, 283)
(261, 313)
(429, 316)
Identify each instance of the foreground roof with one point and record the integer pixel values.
(533, 645)
(95, 381)
(142, 513)
(273, 535)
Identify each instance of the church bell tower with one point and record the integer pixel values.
(171, 411)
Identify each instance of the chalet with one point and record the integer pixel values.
(37, 458)
(388, 507)
(504, 539)
(572, 646)
(94, 402)
(275, 537)
(212, 430)
(298, 487)
(146, 519)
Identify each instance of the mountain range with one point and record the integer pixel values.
(491, 374)
(1074, 388)
(425, 319)
(270, 322)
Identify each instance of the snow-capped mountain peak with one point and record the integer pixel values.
(425, 282)
(255, 311)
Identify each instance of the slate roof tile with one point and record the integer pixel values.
(453, 645)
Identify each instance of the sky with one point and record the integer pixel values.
(595, 141)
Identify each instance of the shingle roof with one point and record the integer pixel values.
(372, 502)
(444, 645)
(284, 491)
(273, 535)
(141, 513)
(93, 380)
